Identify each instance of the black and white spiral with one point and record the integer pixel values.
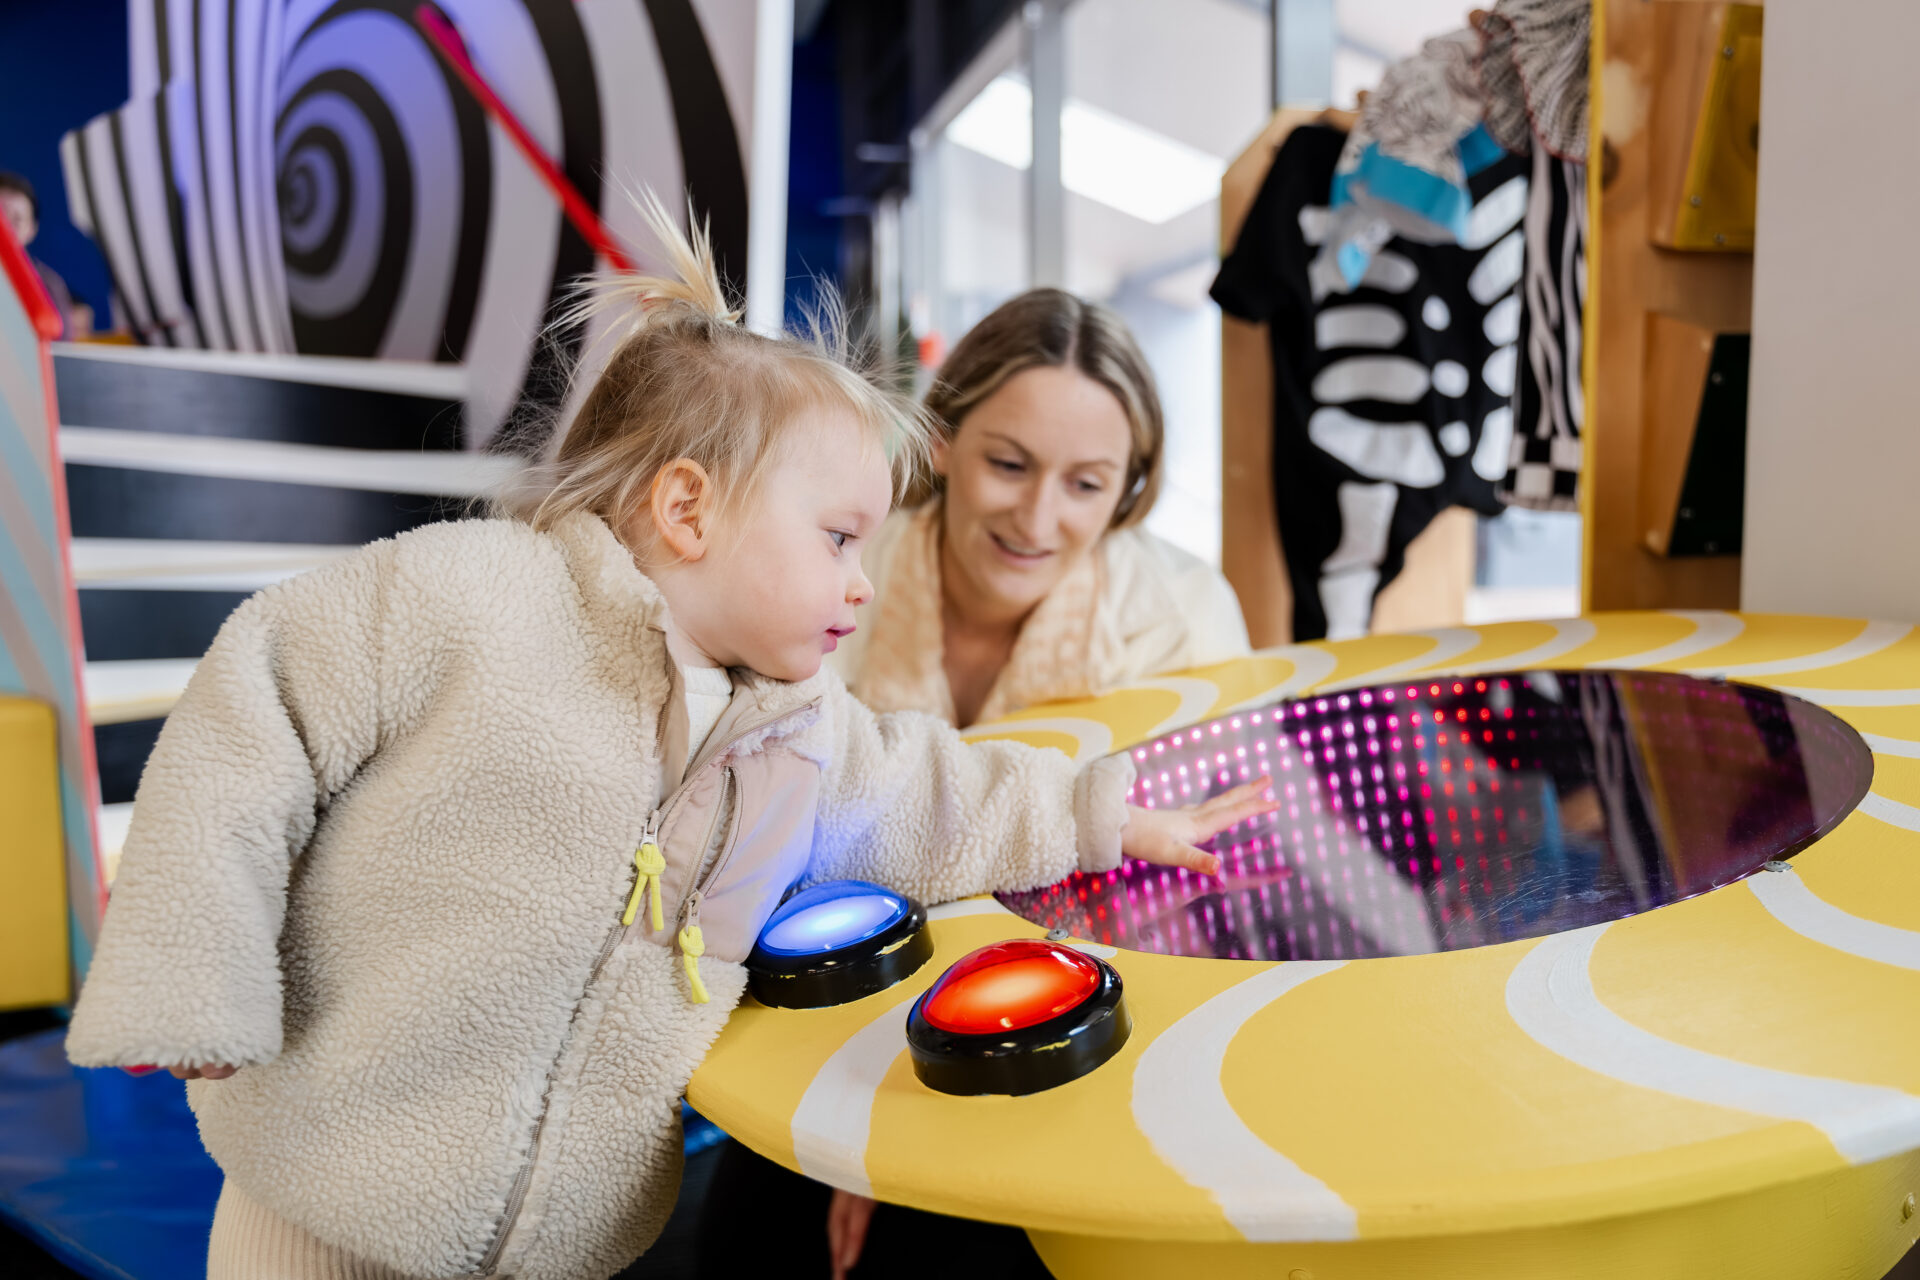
(336, 191)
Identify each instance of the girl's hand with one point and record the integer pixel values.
(211, 1071)
(1169, 836)
(847, 1219)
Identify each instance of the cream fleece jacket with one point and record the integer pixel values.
(381, 852)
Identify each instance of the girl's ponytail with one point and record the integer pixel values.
(675, 375)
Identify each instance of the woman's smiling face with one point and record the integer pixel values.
(1033, 474)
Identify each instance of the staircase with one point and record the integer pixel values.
(197, 478)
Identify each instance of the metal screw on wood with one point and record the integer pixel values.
(1719, 239)
(1694, 201)
(1727, 52)
(1777, 865)
(1906, 1207)
(1717, 378)
(1057, 934)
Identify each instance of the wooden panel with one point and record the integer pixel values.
(1678, 354)
(1706, 127)
(1634, 278)
(1432, 590)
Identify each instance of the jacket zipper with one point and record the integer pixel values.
(517, 1193)
(687, 933)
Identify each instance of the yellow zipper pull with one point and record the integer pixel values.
(693, 945)
(648, 863)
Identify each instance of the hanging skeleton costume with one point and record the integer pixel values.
(1391, 401)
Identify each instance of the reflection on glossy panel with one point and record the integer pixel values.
(1439, 815)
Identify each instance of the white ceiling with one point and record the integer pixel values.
(1397, 28)
(1196, 71)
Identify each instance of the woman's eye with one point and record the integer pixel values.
(1088, 486)
(1009, 465)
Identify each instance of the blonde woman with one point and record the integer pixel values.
(1024, 577)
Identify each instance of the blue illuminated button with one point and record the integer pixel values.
(853, 913)
(835, 942)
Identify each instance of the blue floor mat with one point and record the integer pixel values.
(105, 1171)
(101, 1169)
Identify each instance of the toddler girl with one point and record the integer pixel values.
(443, 870)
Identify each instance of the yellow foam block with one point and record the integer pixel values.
(33, 892)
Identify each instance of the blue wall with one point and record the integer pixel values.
(62, 62)
(813, 170)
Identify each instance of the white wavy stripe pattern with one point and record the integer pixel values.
(1711, 629)
(1568, 634)
(1891, 812)
(1550, 996)
(1182, 1108)
(1094, 739)
(1448, 644)
(1884, 746)
(1855, 697)
(1197, 697)
(1311, 665)
(1874, 637)
(1787, 899)
(835, 1115)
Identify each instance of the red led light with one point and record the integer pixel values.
(1009, 985)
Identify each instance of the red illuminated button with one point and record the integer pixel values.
(1017, 1017)
(1010, 985)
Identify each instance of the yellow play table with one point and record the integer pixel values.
(1727, 1086)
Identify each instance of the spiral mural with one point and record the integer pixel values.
(309, 176)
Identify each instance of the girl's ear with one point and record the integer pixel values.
(939, 453)
(682, 505)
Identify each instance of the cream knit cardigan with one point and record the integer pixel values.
(379, 858)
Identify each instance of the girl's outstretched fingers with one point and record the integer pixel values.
(1248, 800)
(1170, 837)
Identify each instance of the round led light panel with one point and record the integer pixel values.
(1464, 811)
(835, 942)
(1017, 1017)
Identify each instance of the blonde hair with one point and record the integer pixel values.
(1051, 328)
(683, 379)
